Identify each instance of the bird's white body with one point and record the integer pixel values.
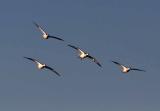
(40, 66)
(82, 54)
(125, 69)
(45, 36)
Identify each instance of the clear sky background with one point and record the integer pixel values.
(127, 31)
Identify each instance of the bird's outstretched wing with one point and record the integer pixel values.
(40, 28)
(74, 47)
(47, 67)
(116, 63)
(78, 49)
(30, 59)
(137, 69)
(56, 38)
(34, 60)
(120, 65)
(94, 60)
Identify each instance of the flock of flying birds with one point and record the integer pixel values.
(81, 54)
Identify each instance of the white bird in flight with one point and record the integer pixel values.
(42, 66)
(45, 35)
(83, 55)
(125, 69)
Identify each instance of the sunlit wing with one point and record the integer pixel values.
(39, 27)
(81, 52)
(120, 65)
(78, 49)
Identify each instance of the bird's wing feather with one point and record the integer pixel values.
(40, 28)
(78, 49)
(74, 47)
(30, 59)
(95, 60)
(55, 38)
(121, 66)
(52, 70)
(137, 69)
(116, 63)
(34, 60)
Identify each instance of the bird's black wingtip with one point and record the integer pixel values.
(58, 74)
(35, 23)
(72, 46)
(55, 37)
(99, 65)
(69, 45)
(113, 61)
(62, 40)
(25, 57)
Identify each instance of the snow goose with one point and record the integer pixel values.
(83, 55)
(125, 69)
(45, 35)
(42, 66)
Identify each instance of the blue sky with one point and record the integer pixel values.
(122, 30)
